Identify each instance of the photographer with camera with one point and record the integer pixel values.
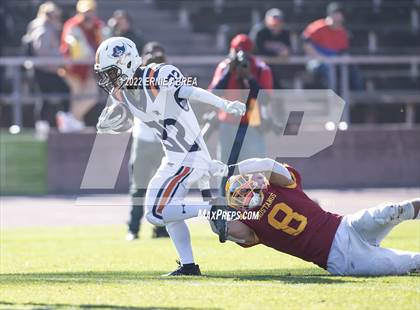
(242, 71)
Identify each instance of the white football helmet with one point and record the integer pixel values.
(116, 61)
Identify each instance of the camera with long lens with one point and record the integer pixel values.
(242, 59)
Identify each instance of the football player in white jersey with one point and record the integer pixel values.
(158, 95)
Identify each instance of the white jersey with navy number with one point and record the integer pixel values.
(152, 96)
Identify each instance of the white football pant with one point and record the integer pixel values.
(356, 247)
(166, 205)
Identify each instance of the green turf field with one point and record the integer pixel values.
(94, 267)
(23, 162)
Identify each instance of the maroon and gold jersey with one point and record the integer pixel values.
(290, 222)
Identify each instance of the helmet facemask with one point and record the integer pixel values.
(111, 78)
(244, 191)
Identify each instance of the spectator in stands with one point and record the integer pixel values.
(120, 24)
(328, 37)
(241, 70)
(146, 155)
(270, 37)
(4, 35)
(43, 39)
(3, 30)
(81, 35)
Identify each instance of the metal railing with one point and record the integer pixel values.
(343, 62)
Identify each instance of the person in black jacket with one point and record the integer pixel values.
(42, 39)
(121, 25)
(4, 35)
(270, 37)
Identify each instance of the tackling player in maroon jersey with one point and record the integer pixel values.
(290, 222)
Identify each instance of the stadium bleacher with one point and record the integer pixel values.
(394, 24)
(185, 27)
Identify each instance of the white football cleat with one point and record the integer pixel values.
(131, 236)
(66, 123)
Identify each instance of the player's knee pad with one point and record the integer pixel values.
(152, 219)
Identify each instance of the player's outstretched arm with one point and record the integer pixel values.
(240, 233)
(198, 94)
(279, 175)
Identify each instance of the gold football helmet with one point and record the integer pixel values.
(245, 190)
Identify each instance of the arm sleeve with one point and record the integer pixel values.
(313, 32)
(307, 33)
(266, 78)
(64, 47)
(262, 165)
(201, 95)
(221, 77)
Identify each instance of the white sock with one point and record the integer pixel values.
(179, 210)
(180, 236)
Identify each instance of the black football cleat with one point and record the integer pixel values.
(218, 215)
(185, 270)
(160, 232)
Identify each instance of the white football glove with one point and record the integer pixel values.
(204, 182)
(235, 107)
(115, 118)
(218, 169)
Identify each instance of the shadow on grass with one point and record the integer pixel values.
(291, 276)
(296, 276)
(41, 306)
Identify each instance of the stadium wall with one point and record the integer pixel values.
(365, 157)
(359, 157)
(68, 155)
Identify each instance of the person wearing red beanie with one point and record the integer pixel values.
(238, 72)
